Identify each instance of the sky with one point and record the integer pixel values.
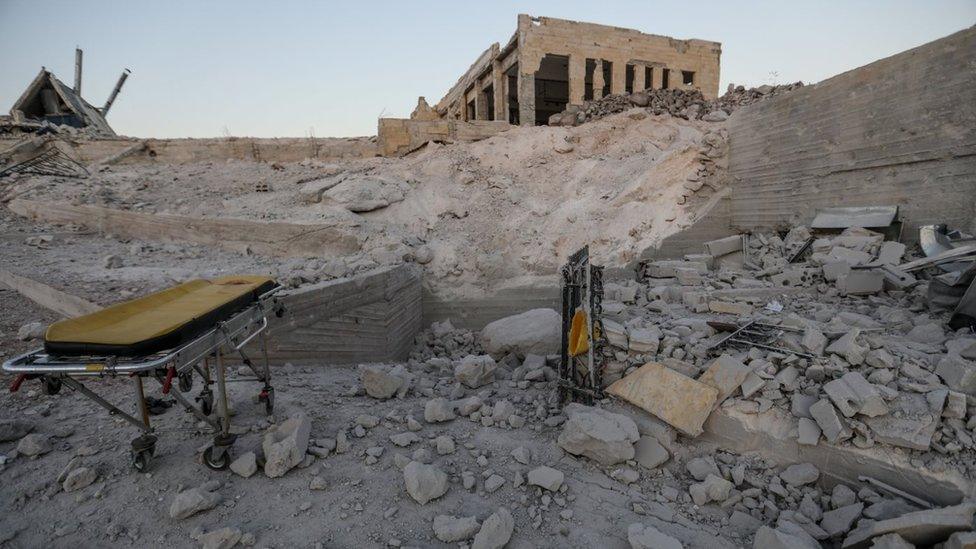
(293, 68)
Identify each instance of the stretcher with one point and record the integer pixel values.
(167, 336)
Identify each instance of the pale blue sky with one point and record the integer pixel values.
(285, 68)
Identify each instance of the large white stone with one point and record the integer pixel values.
(192, 501)
(533, 332)
(424, 482)
(598, 434)
(379, 382)
(496, 531)
(450, 529)
(285, 445)
(475, 370)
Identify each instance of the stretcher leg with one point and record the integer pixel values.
(218, 455)
(267, 393)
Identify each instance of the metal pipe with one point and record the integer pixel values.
(115, 92)
(78, 55)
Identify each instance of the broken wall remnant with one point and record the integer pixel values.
(399, 136)
(890, 133)
(370, 317)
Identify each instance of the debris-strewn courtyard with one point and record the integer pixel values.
(667, 318)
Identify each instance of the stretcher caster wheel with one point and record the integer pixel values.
(267, 396)
(186, 382)
(52, 385)
(216, 463)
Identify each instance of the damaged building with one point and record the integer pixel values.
(48, 105)
(551, 63)
(546, 66)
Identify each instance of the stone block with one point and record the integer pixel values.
(852, 394)
(958, 373)
(666, 268)
(723, 246)
(726, 374)
(835, 270)
(678, 400)
(910, 424)
(834, 428)
(862, 282)
(847, 347)
(729, 307)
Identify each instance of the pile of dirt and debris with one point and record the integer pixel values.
(502, 211)
(688, 104)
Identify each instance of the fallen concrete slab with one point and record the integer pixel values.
(271, 239)
(922, 528)
(679, 400)
(773, 434)
(60, 302)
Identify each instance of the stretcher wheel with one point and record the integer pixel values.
(215, 463)
(142, 460)
(52, 385)
(267, 396)
(186, 382)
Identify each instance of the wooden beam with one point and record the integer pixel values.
(64, 304)
(263, 238)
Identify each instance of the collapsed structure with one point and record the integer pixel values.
(546, 66)
(785, 354)
(48, 105)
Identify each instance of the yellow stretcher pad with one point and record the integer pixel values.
(158, 321)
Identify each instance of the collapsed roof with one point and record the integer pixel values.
(48, 99)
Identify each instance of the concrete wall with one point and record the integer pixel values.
(398, 136)
(900, 131)
(180, 151)
(371, 317)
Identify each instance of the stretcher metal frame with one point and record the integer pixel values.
(230, 335)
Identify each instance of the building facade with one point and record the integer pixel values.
(549, 64)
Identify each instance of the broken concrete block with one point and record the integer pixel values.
(861, 282)
(931, 333)
(378, 382)
(707, 259)
(726, 374)
(852, 394)
(891, 253)
(724, 246)
(879, 358)
(438, 410)
(921, 528)
(752, 384)
(666, 268)
(961, 540)
(789, 277)
(475, 370)
(835, 270)
(536, 331)
(955, 406)
(808, 432)
(598, 434)
(834, 428)
(695, 301)
(840, 521)
(643, 536)
(546, 478)
(676, 399)
(814, 342)
(713, 488)
(192, 501)
(958, 373)
(616, 334)
(644, 340)
(701, 467)
(847, 347)
(729, 307)
(688, 277)
(800, 474)
(496, 531)
(285, 445)
(909, 425)
(424, 482)
(891, 541)
(650, 453)
(245, 465)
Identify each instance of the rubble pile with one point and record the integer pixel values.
(854, 356)
(688, 104)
